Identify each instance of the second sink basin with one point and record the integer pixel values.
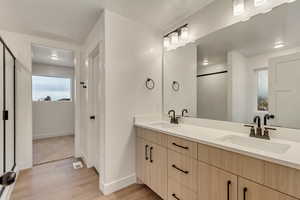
(254, 143)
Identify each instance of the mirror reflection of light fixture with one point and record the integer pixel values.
(259, 2)
(184, 33)
(174, 38)
(238, 7)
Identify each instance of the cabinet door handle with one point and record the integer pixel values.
(151, 148)
(244, 193)
(175, 167)
(228, 190)
(146, 152)
(175, 197)
(177, 145)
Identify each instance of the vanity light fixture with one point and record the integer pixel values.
(166, 42)
(238, 7)
(184, 33)
(258, 3)
(176, 38)
(278, 45)
(54, 56)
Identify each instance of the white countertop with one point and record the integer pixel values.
(216, 138)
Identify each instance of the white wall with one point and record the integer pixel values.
(133, 52)
(181, 65)
(51, 119)
(20, 44)
(212, 93)
(238, 87)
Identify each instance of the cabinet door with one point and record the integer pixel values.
(216, 184)
(248, 190)
(158, 170)
(142, 161)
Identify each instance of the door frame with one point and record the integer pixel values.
(75, 90)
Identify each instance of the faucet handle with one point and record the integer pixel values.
(252, 130)
(270, 128)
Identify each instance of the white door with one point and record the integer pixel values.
(284, 90)
(93, 124)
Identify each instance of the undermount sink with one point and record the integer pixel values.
(164, 125)
(254, 143)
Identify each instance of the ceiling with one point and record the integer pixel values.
(52, 56)
(255, 36)
(72, 20)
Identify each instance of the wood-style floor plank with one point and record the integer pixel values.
(52, 149)
(59, 181)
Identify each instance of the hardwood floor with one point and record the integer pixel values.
(52, 149)
(59, 181)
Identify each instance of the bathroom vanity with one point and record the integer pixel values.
(185, 162)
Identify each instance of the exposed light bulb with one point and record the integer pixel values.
(238, 7)
(184, 34)
(258, 3)
(174, 38)
(166, 42)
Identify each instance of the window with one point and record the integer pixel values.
(262, 90)
(45, 88)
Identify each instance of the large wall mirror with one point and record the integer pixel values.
(249, 69)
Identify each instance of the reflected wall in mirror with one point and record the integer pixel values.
(247, 69)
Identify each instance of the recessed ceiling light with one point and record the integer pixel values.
(205, 62)
(278, 45)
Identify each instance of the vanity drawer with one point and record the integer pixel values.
(235, 163)
(183, 169)
(152, 136)
(183, 146)
(177, 191)
(283, 179)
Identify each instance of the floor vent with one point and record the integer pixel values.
(77, 165)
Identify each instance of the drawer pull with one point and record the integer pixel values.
(151, 148)
(146, 152)
(244, 193)
(175, 167)
(228, 190)
(175, 197)
(177, 145)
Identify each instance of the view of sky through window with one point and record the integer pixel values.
(46, 88)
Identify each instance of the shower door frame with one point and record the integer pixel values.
(5, 111)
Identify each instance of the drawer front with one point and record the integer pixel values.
(183, 146)
(152, 136)
(284, 179)
(178, 192)
(238, 164)
(183, 169)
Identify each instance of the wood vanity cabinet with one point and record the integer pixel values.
(179, 169)
(216, 184)
(248, 190)
(152, 166)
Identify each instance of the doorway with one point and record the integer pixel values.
(53, 107)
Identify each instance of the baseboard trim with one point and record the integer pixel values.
(50, 135)
(108, 188)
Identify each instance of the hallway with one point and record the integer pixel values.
(52, 149)
(59, 181)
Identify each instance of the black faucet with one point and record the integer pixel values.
(258, 129)
(174, 119)
(184, 111)
(267, 117)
